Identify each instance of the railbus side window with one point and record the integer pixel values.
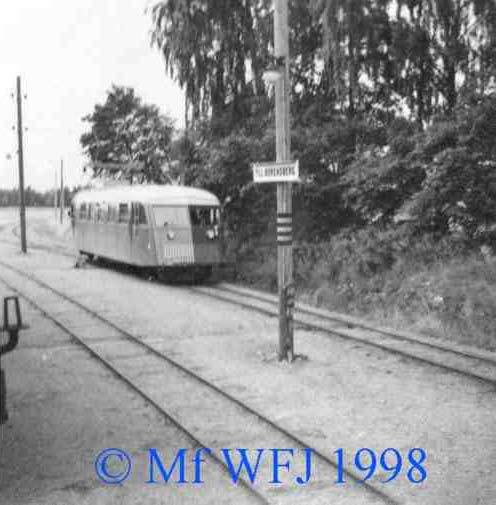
(90, 211)
(104, 212)
(112, 213)
(123, 213)
(82, 211)
(141, 214)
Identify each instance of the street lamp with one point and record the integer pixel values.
(275, 71)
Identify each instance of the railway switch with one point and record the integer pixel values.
(12, 324)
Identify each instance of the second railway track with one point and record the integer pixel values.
(472, 363)
(211, 417)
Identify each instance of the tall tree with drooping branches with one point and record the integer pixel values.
(216, 49)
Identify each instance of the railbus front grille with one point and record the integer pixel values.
(179, 254)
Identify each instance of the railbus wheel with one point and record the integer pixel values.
(88, 255)
(202, 274)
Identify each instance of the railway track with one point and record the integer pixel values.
(476, 364)
(212, 418)
(472, 363)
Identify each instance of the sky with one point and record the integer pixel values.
(68, 54)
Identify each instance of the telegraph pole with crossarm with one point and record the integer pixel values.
(20, 157)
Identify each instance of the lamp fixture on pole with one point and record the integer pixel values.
(275, 70)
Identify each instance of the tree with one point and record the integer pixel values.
(356, 35)
(208, 47)
(441, 44)
(124, 130)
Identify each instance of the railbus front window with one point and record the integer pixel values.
(170, 216)
(204, 216)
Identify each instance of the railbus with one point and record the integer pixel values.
(167, 228)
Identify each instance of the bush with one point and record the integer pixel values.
(458, 196)
(394, 235)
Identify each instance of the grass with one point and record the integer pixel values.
(426, 285)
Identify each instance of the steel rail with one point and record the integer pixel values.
(219, 292)
(197, 443)
(354, 322)
(252, 411)
(272, 311)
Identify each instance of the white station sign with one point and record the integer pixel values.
(279, 171)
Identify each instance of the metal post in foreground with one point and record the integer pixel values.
(284, 189)
(4, 416)
(12, 325)
(20, 157)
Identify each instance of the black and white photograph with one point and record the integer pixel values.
(247, 252)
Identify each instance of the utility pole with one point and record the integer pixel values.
(284, 189)
(20, 154)
(55, 190)
(61, 199)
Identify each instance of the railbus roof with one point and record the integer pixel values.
(148, 194)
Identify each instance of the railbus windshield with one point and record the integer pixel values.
(166, 215)
(204, 216)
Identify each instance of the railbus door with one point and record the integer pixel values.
(205, 229)
(142, 249)
(122, 244)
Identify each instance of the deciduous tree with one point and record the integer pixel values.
(125, 130)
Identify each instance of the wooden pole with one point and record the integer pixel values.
(55, 191)
(22, 207)
(61, 199)
(284, 189)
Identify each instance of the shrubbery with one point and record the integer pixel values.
(390, 222)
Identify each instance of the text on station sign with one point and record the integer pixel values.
(287, 171)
